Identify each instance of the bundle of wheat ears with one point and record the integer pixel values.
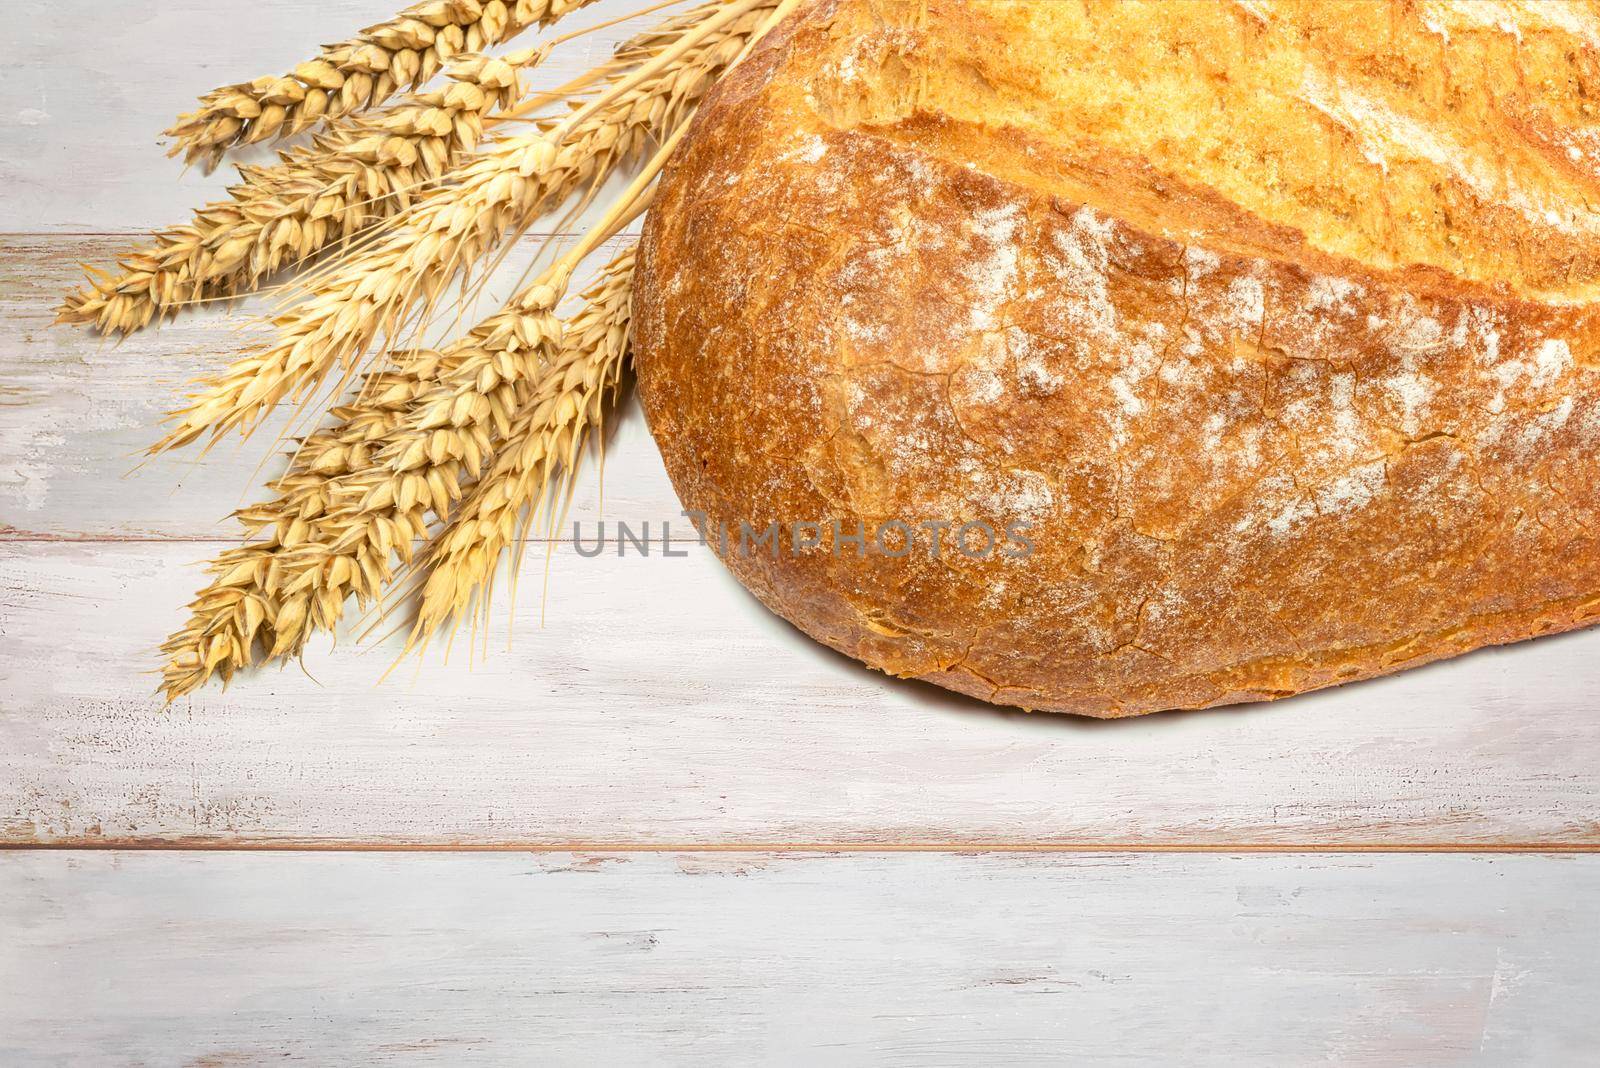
(434, 460)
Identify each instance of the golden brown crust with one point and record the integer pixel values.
(1262, 440)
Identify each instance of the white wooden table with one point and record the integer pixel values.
(664, 827)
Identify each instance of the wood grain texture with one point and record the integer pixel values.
(662, 704)
(686, 959)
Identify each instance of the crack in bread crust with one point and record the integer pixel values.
(1258, 451)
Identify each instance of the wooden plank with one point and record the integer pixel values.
(79, 411)
(238, 959)
(80, 125)
(661, 704)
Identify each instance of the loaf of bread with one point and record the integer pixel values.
(1258, 337)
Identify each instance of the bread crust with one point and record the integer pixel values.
(1253, 454)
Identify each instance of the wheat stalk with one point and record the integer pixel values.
(516, 396)
(564, 403)
(351, 75)
(500, 193)
(361, 170)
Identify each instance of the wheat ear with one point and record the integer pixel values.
(565, 402)
(235, 620)
(342, 512)
(377, 290)
(405, 51)
(361, 170)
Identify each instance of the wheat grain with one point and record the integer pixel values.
(500, 193)
(362, 169)
(407, 50)
(359, 494)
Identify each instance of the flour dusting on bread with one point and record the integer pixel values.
(1270, 320)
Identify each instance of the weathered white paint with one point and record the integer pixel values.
(732, 959)
(88, 87)
(661, 703)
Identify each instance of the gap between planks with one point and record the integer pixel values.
(209, 845)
